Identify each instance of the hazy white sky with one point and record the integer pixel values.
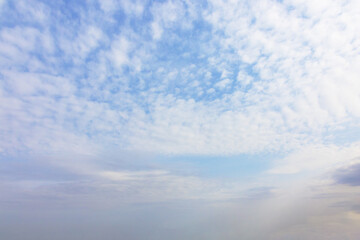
(180, 119)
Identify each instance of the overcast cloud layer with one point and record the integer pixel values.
(234, 119)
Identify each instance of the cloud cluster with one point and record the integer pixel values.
(277, 80)
(233, 78)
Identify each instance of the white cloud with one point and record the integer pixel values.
(132, 175)
(317, 158)
(35, 12)
(157, 30)
(119, 51)
(169, 14)
(25, 84)
(133, 7)
(223, 83)
(108, 5)
(23, 38)
(129, 7)
(302, 81)
(244, 78)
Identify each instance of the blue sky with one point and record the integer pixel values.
(197, 109)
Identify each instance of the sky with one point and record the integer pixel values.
(179, 119)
